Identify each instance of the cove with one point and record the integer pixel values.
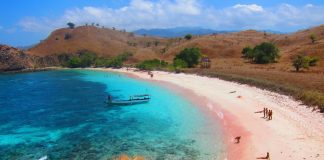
(62, 114)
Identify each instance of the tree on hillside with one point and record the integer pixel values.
(74, 62)
(188, 37)
(87, 58)
(247, 52)
(265, 53)
(303, 61)
(179, 63)
(71, 25)
(300, 62)
(313, 37)
(190, 55)
(262, 54)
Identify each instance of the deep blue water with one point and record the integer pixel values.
(62, 115)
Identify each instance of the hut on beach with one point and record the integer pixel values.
(205, 62)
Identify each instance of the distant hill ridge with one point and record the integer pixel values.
(177, 32)
(182, 31)
(224, 47)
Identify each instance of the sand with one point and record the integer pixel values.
(295, 132)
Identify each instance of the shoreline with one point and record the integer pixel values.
(294, 133)
(27, 70)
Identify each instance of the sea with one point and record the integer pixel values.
(62, 115)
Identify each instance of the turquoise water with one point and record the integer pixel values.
(62, 115)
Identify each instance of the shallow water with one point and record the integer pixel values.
(62, 114)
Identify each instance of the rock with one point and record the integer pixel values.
(13, 59)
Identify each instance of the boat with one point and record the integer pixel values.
(135, 99)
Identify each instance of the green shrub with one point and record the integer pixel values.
(190, 55)
(179, 63)
(265, 53)
(303, 61)
(313, 61)
(247, 52)
(101, 62)
(117, 62)
(71, 25)
(188, 37)
(87, 58)
(152, 64)
(262, 54)
(313, 38)
(74, 62)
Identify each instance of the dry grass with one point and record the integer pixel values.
(309, 94)
(223, 49)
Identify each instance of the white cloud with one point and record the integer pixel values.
(173, 13)
(248, 7)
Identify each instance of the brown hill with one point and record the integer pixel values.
(12, 59)
(219, 47)
(105, 42)
(223, 49)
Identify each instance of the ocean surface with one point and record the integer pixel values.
(62, 115)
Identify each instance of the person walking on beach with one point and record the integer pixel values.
(266, 113)
(268, 156)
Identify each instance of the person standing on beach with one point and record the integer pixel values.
(266, 113)
(270, 114)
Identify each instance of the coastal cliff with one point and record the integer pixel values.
(13, 59)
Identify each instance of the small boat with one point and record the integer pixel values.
(135, 99)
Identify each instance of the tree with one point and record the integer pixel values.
(265, 53)
(74, 62)
(87, 58)
(300, 62)
(117, 62)
(313, 61)
(151, 64)
(179, 63)
(190, 55)
(188, 37)
(247, 52)
(71, 25)
(303, 61)
(313, 37)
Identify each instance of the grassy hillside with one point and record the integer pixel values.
(223, 49)
(105, 42)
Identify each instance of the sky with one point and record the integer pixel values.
(24, 23)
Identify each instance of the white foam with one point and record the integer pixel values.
(43, 158)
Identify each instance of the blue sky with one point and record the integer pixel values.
(27, 22)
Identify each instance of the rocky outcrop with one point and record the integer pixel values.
(13, 59)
